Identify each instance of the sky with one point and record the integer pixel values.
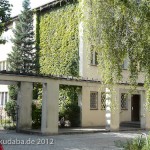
(17, 5)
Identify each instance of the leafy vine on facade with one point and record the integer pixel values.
(59, 41)
(119, 29)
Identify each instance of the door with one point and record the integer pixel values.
(135, 108)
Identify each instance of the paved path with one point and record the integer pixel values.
(94, 141)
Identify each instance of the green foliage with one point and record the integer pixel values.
(135, 144)
(23, 56)
(13, 89)
(36, 114)
(59, 40)
(68, 105)
(5, 9)
(119, 29)
(10, 108)
(59, 53)
(131, 144)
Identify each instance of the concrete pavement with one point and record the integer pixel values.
(92, 141)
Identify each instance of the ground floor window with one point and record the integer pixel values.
(124, 101)
(103, 100)
(3, 98)
(93, 100)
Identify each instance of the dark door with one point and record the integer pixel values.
(135, 108)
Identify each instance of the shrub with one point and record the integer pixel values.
(36, 114)
(135, 144)
(10, 109)
(68, 105)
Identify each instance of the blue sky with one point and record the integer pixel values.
(17, 5)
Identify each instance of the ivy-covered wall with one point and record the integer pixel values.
(58, 33)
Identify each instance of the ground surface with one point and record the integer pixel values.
(92, 141)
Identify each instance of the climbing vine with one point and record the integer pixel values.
(59, 40)
(119, 29)
(58, 55)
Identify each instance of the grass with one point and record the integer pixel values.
(140, 143)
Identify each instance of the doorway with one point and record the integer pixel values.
(135, 107)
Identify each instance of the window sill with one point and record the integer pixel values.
(124, 109)
(93, 108)
(93, 65)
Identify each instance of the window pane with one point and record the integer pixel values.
(93, 100)
(103, 100)
(2, 98)
(124, 101)
(6, 96)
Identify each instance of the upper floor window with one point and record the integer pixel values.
(3, 65)
(94, 100)
(94, 57)
(125, 64)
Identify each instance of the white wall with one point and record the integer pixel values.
(5, 49)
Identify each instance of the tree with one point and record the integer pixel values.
(118, 29)
(5, 9)
(22, 59)
(23, 56)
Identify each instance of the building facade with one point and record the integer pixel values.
(95, 108)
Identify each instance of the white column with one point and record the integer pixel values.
(50, 107)
(108, 109)
(24, 102)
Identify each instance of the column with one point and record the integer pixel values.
(24, 102)
(108, 109)
(115, 112)
(142, 105)
(112, 110)
(80, 104)
(145, 113)
(85, 106)
(50, 107)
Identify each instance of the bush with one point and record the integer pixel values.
(36, 114)
(72, 113)
(13, 90)
(68, 105)
(10, 109)
(135, 144)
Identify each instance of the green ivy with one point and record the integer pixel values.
(117, 29)
(59, 40)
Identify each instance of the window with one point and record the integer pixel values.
(103, 100)
(6, 97)
(93, 57)
(3, 98)
(94, 100)
(125, 64)
(3, 65)
(124, 101)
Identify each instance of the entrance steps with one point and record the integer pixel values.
(130, 124)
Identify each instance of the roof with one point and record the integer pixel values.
(51, 3)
